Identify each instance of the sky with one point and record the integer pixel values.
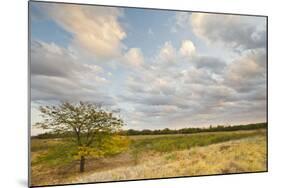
(155, 68)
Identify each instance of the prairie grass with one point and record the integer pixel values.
(154, 156)
(246, 155)
(170, 143)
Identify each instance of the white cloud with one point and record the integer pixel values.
(197, 76)
(50, 59)
(179, 85)
(57, 75)
(94, 29)
(187, 48)
(239, 32)
(248, 72)
(134, 57)
(198, 92)
(167, 53)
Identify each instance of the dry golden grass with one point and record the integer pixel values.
(246, 155)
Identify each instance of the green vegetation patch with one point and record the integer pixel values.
(173, 143)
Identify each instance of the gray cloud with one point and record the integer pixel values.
(52, 60)
(204, 91)
(212, 64)
(240, 32)
(56, 75)
(174, 88)
(248, 72)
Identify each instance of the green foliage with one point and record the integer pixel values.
(105, 145)
(54, 153)
(87, 131)
(173, 143)
(43, 144)
(62, 152)
(196, 130)
(78, 118)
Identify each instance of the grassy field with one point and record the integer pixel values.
(154, 156)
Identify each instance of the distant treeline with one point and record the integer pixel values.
(196, 130)
(169, 131)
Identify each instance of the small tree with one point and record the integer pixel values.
(91, 126)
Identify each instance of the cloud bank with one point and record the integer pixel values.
(214, 75)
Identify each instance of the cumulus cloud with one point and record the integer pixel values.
(134, 57)
(94, 29)
(197, 76)
(240, 32)
(51, 60)
(181, 84)
(167, 54)
(247, 72)
(200, 92)
(187, 48)
(57, 75)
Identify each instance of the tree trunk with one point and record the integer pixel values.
(82, 164)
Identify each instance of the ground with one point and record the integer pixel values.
(159, 156)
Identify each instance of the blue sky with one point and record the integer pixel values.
(160, 68)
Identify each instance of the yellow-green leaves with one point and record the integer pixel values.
(109, 145)
(85, 151)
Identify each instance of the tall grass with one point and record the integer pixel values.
(173, 143)
(245, 155)
(152, 156)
